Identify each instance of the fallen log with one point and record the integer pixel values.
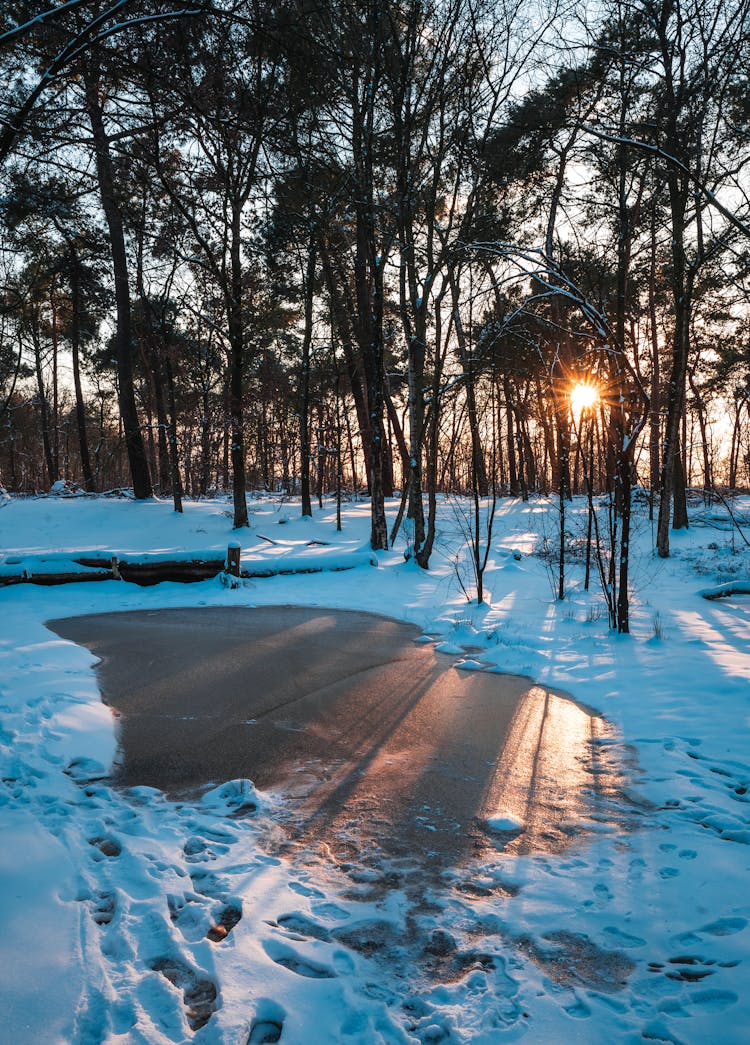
(150, 568)
(76, 576)
(724, 591)
(287, 571)
(182, 572)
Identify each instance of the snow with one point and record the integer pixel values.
(504, 824)
(107, 896)
(43, 976)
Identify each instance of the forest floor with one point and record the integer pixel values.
(134, 915)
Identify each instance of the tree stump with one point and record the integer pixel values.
(233, 558)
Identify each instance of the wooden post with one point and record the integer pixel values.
(233, 558)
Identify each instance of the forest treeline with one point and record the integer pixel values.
(368, 244)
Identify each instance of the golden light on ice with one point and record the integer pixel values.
(583, 396)
(554, 774)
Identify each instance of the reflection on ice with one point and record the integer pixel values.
(559, 774)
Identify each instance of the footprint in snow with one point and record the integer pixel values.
(576, 961)
(689, 968)
(196, 850)
(478, 889)
(343, 963)
(737, 783)
(191, 914)
(578, 1008)
(302, 926)
(207, 884)
(712, 1000)
(265, 1032)
(331, 910)
(725, 926)
(210, 832)
(107, 847)
(268, 1025)
(289, 959)
(371, 937)
(380, 993)
(623, 939)
(228, 917)
(198, 992)
(306, 890)
(104, 906)
(85, 770)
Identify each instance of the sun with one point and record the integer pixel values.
(583, 396)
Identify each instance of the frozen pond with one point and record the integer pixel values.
(375, 741)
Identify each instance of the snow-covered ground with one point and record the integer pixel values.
(107, 896)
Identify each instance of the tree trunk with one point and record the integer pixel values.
(162, 424)
(703, 428)
(75, 347)
(304, 398)
(679, 194)
(654, 443)
(236, 376)
(478, 467)
(679, 493)
(174, 461)
(514, 484)
(55, 385)
(43, 407)
(369, 265)
(343, 311)
(205, 469)
(136, 451)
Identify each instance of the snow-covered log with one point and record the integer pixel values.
(724, 591)
(147, 568)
